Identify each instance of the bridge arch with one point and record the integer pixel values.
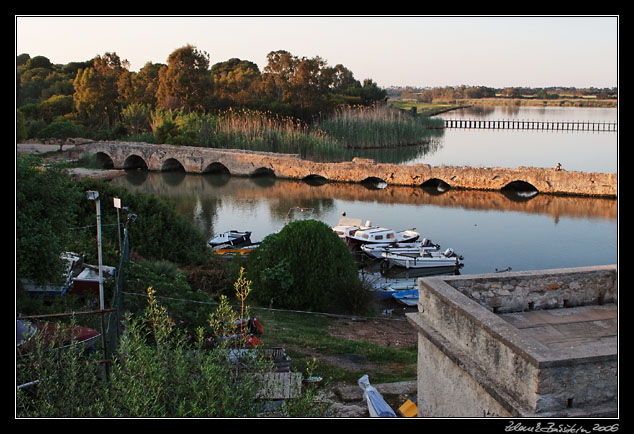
(216, 168)
(104, 161)
(135, 162)
(373, 182)
(519, 191)
(263, 172)
(172, 165)
(435, 186)
(519, 185)
(315, 180)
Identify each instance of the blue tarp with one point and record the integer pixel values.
(376, 404)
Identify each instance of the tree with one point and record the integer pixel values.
(46, 206)
(185, 83)
(304, 266)
(237, 81)
(140, 87)
(96, 91)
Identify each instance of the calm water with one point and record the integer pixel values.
(492, 231)
(583, 151)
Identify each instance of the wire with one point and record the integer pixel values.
(353, 317)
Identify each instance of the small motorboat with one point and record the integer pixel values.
(428, 258)
(347, 226)
(415, 248)
(230, 238)
(387, 291)
(379, 235)
(231, 251)
(408, 297)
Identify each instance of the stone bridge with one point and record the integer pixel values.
(131, 155)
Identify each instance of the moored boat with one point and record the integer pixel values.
(448, 258)
(415, 248)
(230, 238)
(231, 251)
(347, 226)
(379, 235)
(408, 297)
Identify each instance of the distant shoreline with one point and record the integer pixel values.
(435, 108)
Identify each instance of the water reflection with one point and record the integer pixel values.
(493, 230)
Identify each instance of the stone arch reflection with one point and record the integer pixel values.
(315, 180)
(519, 191)
(374, 183)
(435, 186)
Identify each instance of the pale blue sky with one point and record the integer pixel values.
(419, 51)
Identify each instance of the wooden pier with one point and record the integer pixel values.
(519, 124)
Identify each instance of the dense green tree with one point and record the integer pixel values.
(305, 266)
(237, 81)
(140, 87)
(55, 107)
(96, 91)
(46, 208)
(185, 83)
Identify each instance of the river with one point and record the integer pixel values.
(490, 229)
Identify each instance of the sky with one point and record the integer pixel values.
(417, 51)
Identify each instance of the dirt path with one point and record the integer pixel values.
(397, 333)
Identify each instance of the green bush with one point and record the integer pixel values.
(305, 266)
(61, 130)
(159, 232)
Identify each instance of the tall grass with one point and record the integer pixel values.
(376, 127)
(336, 137)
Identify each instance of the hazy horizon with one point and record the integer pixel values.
(399, 51)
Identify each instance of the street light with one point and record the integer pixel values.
(94, 195)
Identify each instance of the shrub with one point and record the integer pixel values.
(304, 266)
(61, 130)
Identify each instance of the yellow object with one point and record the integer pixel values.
(409, 409)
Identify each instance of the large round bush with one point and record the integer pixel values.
(304, 266)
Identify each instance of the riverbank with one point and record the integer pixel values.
(436, 108)
(51, 152)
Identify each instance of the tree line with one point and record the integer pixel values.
(103, 98)
(452, 93)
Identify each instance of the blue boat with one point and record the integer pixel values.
(408, 297)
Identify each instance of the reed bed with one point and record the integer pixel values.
(338, 137)
(377, 127)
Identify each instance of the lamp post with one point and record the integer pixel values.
(94, 195)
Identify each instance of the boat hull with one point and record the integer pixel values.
(420, 261)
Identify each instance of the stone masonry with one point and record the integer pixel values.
(122, 155)
(519, 344)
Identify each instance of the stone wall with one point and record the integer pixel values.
(474, 363)
(248, 163)
(529, 290)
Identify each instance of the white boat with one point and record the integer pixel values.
(428, 259)
(379, 235)
(230, 238)
(348, 226)
(415, 248)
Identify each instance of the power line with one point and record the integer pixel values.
(333, 315)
